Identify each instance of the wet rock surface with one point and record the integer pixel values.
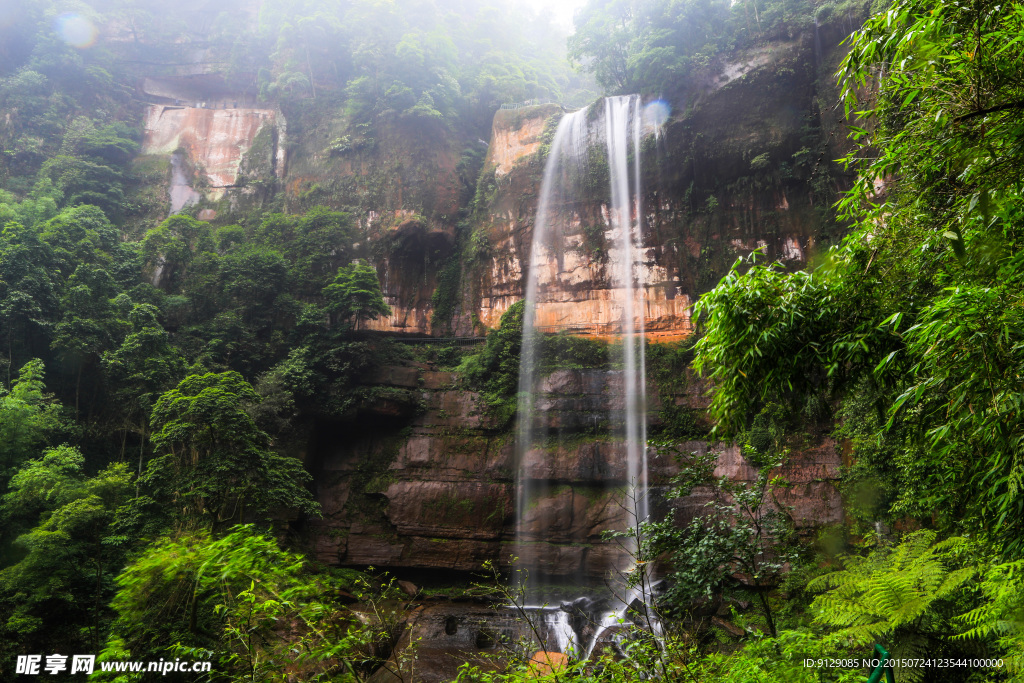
(448, 634)
(438, 491)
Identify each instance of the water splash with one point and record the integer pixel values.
(559, 632)
(633, 611)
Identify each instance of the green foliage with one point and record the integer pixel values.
(274, 298)
(674, 655)
(773, 335)
(766, 660)
(27, 416)
(658, 45)
(447, 297)
(57, 280)
(78, 236)
(761, 660)
(145, 364)
(214, 465)
(256, 610)
(27, 291)
(565, 351)
(744, 531)
(957, 196)
(56, 594)
(355, 295)
(910, 332)
(999, 619)
(668, 365)
(915, 316)
(410, 64)
(905, 596)
(59, 101)
(315, 245)
(171, 248)
(89, 324)
(245, 296)
(495, 370)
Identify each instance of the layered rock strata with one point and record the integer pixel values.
(439, 493)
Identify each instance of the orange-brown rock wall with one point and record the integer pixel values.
(215, 140)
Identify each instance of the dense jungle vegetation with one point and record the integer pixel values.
(149, 497)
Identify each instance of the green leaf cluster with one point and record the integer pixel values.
(912, 324)
(213, 464)
(257, 611)
(658, 46)
(905, 597)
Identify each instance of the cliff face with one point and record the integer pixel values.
(579, 275)
(215, 141)
(402, 180)
(439, 491)
(743, 163)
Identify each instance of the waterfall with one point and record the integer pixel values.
(579, 146)
(566, 160)
(619, 113)
(182, 194)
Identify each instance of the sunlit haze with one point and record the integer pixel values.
(561, 10)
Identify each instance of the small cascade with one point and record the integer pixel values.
(558, 632)
(634, 610)
(613, 133)
(182, 194)
(817, 42)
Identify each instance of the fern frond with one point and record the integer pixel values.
(892, 590)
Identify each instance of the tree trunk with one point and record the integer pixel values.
(309, 65)
(78, 388)
(142, 447)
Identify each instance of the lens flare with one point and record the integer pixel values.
(655, 115)
(75, 30)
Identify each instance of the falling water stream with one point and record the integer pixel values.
(622, 122)
(182, 194)
(569, 166)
